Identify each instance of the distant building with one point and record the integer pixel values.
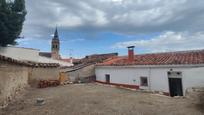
(55, 48)
(83, 69)
(71, 60)
(95, 58)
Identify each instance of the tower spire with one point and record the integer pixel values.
(56, 33)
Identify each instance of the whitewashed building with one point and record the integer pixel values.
(170, 73)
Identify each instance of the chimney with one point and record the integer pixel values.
(131, 53)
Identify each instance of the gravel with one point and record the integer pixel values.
(94, 99)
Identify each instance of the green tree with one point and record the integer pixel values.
(12, 16)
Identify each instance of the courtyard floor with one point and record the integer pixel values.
(94, 99)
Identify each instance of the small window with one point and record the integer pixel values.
(143, 81)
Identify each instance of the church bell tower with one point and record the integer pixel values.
(55, 46)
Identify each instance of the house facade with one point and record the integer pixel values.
(169, 73)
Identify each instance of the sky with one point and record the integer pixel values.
(104, 26)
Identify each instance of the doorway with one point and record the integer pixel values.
(175, 87)
(107, 78)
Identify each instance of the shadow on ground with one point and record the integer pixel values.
(200, 105)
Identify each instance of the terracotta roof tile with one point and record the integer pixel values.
(96, 58)
(169, 58)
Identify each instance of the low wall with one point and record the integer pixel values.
(37, 74)
(81, 74)
(13, 78)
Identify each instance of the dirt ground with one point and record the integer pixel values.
(92, 99)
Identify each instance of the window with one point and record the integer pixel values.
(143, 81)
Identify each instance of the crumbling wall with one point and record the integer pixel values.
(13, 78)
(37, 74)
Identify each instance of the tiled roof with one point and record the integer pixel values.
(91, 60)
(97, 58)
(27, 63)
(169, 58)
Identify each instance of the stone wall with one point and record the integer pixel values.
(13, 78)
(37, 74)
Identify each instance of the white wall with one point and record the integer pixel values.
(193, 77)
(129, 76)
(157, 76)
(29, 54)
(20, 53)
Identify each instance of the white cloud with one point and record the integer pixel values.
(168, 41)
(121, 16)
